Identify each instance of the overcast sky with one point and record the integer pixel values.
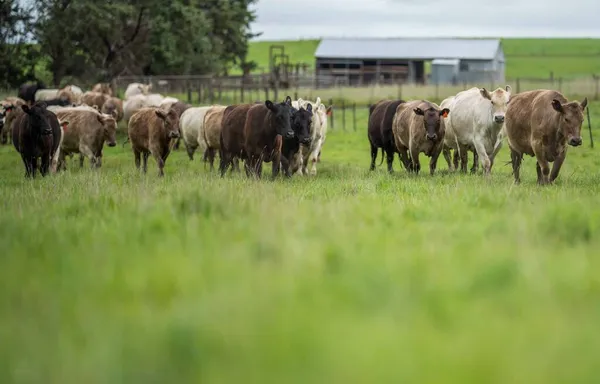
(294, 19)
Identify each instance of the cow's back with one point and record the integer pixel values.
(141, 127)
(84, 128)
(375, 120)
(212, 126)
(232, 127)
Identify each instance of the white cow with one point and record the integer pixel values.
(476, 122)
(318, 133)
(137, 102)
(191, 124)
(137, 89)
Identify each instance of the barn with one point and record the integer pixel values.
(364, 61)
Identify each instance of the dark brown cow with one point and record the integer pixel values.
(541, 123)
(153, 131)
(232, 135)
(265, 129)
(36, 134)
(380, 132)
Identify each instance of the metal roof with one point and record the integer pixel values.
(445, 62)
(408, 48)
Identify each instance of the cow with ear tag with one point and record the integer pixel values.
(419, 127)
(543, 123)
(153, 131)
(301, 122)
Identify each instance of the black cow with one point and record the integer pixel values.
(36, 134)
(301, 120)
(27, 91)
(381, 117)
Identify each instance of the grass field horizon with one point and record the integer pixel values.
(565, 57)
(110, 276)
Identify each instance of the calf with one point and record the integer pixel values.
(36, 134)
(381, 117)
(318, 133)
(232, 135)
(541, 123)
(264, 131)
(27, 91)
(213, 121)
(94, 99)
(113, 106)
(86, 134)
(301, 121)
(419, 128)
(104, 88)
(152, 131)
(476, 121)
(192, 129)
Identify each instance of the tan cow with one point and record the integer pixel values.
(211, 137)
(94, 98)
(418, 127)
(153, 131)
(541, 123)
(86, 134)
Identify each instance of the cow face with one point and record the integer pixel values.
(38, 122)
(110, 129)
(301, 121)
(499, 100)
(282, 113)
(170, 122)
(431, 120)
(571, 118)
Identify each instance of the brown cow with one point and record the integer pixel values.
(232, 135)
(541, 123)
(266, 127)
(419, 127)
(153, 131)
(86, 134)
(113, 106)
(380, 133)
(213, 120)
(94, 98)
(103, 88)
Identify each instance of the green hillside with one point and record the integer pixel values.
(524, 57)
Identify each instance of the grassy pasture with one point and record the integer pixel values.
(110, 276)
(568, 58)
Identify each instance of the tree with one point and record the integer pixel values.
(17, 57)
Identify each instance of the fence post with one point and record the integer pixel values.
(189, 94)
(343, 115)
(199, 93)
(331, 116)
(560, 84)
(242, 93)
(354, 116)
(590, 126)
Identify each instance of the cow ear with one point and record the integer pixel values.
(584, 103)
(160, 113)
(419, 111)
(269, 104)
(288, 100)
(64, 124)
(508, 89)
(557, 105)
(329, 110)
(25, 108)
(309, 107)
(486, 95)
(444, 112)
(318, 102)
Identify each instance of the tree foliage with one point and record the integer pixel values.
(98, 41)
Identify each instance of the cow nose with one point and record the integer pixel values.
(289, 134)
(112, 144)
(575, 141)
(306, 140)
(174, 135)
(432, 137)
(499, 119)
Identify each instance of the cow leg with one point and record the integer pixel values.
(81, 159)
(34, 165)
(319, 157)
(85, 151)
(138, 158)
(373, 157)
(44, 165)
(249, 166)
(433, 161)
(475, 165)
(145, 156)
(390, 159)
(447, 156)
(542, 163)
(403, 153)
(485, 160)
(160, 162)
(313, 157)
(497, 148)
(416, 164)
(235, 165)
(515, 159)
(455, 159)
(558, 162)
(210, 154)
(190, 151)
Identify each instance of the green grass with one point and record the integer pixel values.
(584, 55)
(110, 276)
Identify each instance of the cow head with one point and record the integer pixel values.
(110, 128)
(301, 121)
(499, 100)
(145, 88)
(170, 122)
(282, 113)
(38, 121)
(432, 120)
(571, 118)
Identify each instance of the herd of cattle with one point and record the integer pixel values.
(538, 123)
(49, 124)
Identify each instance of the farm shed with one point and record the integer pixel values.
(362, 61)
